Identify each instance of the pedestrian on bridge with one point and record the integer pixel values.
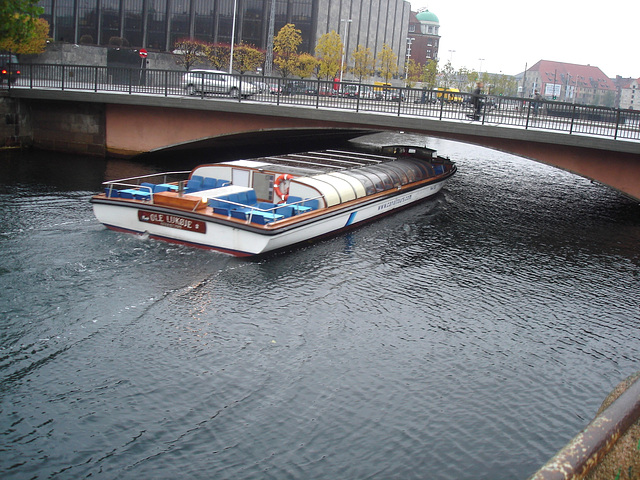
(537, 101)
(476, 100)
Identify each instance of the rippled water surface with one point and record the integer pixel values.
(468, 337)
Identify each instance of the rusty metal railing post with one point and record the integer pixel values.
(587, 449)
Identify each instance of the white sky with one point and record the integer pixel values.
(508, 34)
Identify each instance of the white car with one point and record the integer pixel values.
(216, 81)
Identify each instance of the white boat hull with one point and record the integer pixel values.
(242, 239)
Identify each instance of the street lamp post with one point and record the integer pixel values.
(451, 52)
(268, 63)
(344, 47)
(406, 74)
(481, 60)
(233, 34)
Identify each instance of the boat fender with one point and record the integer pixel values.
(282, 180)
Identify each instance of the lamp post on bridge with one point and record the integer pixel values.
(344, 45)
(233, 34)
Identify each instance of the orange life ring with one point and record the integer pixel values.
(276, 186)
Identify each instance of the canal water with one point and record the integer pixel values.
(468, 337)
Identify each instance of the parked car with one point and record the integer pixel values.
(354, 91)
(295, 88)
(262, 87)
(275, 89)
(448, 95)
(216, 81)
(395, 95)
(327, 91)
(9, 68)
(426, 96)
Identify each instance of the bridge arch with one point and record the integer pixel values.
(134, 129)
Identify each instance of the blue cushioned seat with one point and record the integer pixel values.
(147, 187)
(265, 205)
(214, 202)
(313, 204)
(251, 197)
(128, 193)
(221, 211)
(142, 195)
(259, 218)
(111, 192)
(238, 214)
(233, 197)
(240, 198)
(208, 183)
(264, 217)
(194, 184)
(285, 210)
(223, 183)
(306, 204)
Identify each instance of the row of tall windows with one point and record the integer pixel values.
(158, 24)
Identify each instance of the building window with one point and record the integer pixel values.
(412, 28)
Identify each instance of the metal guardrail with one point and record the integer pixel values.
(371, 98)
(608, 446)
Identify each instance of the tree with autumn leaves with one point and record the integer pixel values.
(285, 49)
(364, 63)
(21, 29)
(190, 52)
(329, 53)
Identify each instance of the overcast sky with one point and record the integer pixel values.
(510, 34)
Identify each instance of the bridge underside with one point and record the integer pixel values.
(133, 129)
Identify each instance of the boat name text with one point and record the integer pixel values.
(172, 221)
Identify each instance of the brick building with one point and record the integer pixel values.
(568, 82)
(424, 37)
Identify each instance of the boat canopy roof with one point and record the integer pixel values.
(343, 175)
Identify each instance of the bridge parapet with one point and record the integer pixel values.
(496, 110)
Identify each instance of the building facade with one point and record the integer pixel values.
(158, 24)
(629, 93)
(424, 37)
(568, 82)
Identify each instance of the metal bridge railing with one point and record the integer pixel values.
(371, 98)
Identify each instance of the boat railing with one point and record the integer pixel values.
(164, 175)
(271, 212)
(147, 191)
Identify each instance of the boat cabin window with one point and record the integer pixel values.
(425, 172)
(390, 173)
(366, 182)
(399, 172)
(240, 177)
(380, 179)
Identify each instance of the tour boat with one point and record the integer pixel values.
(250, 207)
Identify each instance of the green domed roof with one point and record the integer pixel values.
(427, 16)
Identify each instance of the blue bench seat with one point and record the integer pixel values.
(165, 187)
(111, 192)
(263, 218)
